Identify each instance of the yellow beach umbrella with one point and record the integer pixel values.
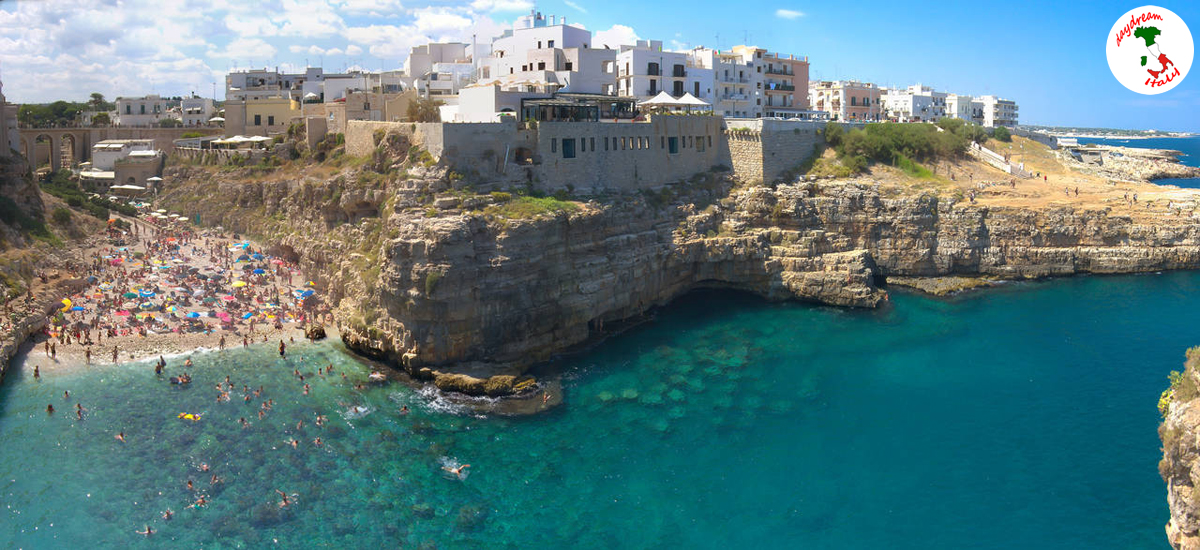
(239, 284)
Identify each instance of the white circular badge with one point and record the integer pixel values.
(1150, 50)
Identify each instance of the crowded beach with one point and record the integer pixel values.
(158, 286)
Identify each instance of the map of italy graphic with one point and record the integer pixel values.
(1150, 34)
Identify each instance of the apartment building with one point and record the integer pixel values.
(915, 103)
(141, 111)
(846, 100)
(195, 111)
(645, 69)
(998, 111)
(785, 85)
(543, 54)
(260, 117)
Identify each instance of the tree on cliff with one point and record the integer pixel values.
(101, 120)
(425, 110)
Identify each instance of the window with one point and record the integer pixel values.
(553, 145)
(541, 65)
(258, 120)
(710, 141)
(539, 44)
(510, 70)
(652, 69)
(653, 87)
(614, 144)
(696, 91)
(677, 88)
(549, 43)
(143, 107)
(678, 71)
(673, 145)
(569, 148)
(699, 144)
(270, 120)
(128, 109)
(623, 144)
(592, 145)
(605, 143)
(568, 66)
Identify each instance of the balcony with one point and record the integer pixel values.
(780, 88)
(780, 71)
(734, 97)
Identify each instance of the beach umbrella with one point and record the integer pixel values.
(106, 286)
(222, 315)
(146, 305)
(146, 293)
(259, 271)
(77, 308)
(92, 279)
(202, 277)
(66, 302)
(228, 298)
(193, 270)
(122, 313)
(256, 256)
(247, 267)
(130, 295)
(247, 315)
(243, 258)
(161, 211)
(210, 300)
(172, 308)
(239, 284)
(277, 262)
(193, 315)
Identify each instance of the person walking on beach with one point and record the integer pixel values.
(88, 355)
(47, 347)
(114, 354)
(222, 342)
(53, 351)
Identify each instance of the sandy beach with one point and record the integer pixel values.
(160, 287)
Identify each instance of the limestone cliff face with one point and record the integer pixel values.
(441, 286)
(1180, 465)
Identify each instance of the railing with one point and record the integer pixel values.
(780, 71)
(734, 97)
(781, 88)
(679, 73)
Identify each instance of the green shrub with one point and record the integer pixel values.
(1001, 134)
(431, 281)
(501, 196)
(61, 216)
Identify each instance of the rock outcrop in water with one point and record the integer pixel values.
(458, 287)
(1180, 465)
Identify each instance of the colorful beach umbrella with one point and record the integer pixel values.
(66, 302)
(130, 295)
(146, 305)
(192, 315)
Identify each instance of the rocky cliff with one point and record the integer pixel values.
(1180, 465)
(469, 290)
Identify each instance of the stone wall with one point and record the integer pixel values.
(764, 150)
(1045, 139)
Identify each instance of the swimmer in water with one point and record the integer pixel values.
(300, 425)
(243, 422)
(306, 388)
(404, 409)
(120, 436)
(200, 503)
(457, 471)
(545, 398)
(284, 502)
(190, 487)
(203, 466)
(188, 363)
(37, 375)
(318, 442)
(49, 409)
(214, 480)
(66, 395)
(147, 532)
(321, 420)
(295, 444)
(79, 414)
(167, 514)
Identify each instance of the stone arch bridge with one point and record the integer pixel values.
(66, 147)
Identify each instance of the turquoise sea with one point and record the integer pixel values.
(1189, 146)
(1018, 417)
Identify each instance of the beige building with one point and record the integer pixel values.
(846, 100)
(260, 117)
(9, 136)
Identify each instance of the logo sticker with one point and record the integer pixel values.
(1150, 50)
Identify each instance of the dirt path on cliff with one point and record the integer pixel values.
(1059, 186)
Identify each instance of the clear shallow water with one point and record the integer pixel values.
(1189, 146)
(1018, 417)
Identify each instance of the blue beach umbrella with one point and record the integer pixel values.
(77, 308)
(259, 271)
(146, 294)
(243, 258)
(247, 315)
(256, 256)
(193, 315)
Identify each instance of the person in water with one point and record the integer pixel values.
(284, 502)
(167, 514)
(318, 442)
(457, 471)
(50, 409)
(66, 395)
(120, 436)
(37, 374)
(282, 349)
(147, 532)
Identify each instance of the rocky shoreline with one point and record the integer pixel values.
(1133, 164)
(1180, 465)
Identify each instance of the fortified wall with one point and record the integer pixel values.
(599, 157)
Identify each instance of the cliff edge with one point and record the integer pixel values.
(1180, 465)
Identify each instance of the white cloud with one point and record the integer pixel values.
(788, 14)
(334, 51)
(309, 19)
(574, 5)
(353, 50)
(615, 37)
(371, 7)
(244, 49)
(501, 5)
(296, 48)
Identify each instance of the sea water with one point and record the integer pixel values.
(1016, 417)
(1189, 146)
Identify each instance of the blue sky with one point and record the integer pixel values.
(1048, 56)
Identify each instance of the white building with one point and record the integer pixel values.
(141, 111)
(541, 54)
(959, 106)
(645, 69)
(195, 111)
(265, 84)
(916, 103)
(998, 112)
(737, 81)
